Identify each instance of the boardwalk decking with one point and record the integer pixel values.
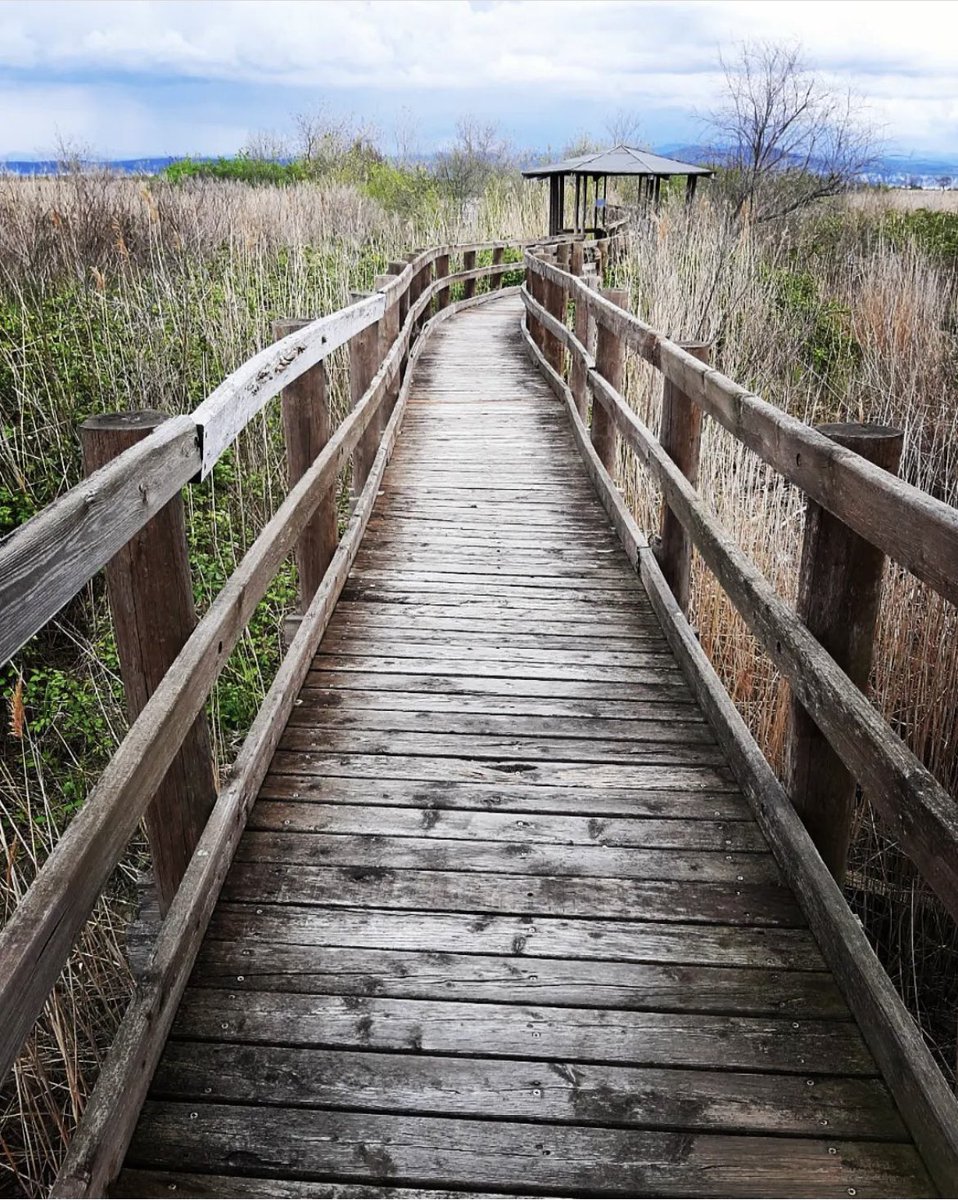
(501, 920)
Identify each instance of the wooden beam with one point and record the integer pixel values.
(442, 270)
(38, 936)
(228, 409)
(363, 361)
(610, 364)
(98, 1147)
(45, 562)
(469, 264)
(307, 426)
(497, 256)
(912, 527)
(924, 1099)
(151, 600)
(839, 593)
(681, 436)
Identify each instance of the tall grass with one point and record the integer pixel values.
(119, 294)
(830, 319)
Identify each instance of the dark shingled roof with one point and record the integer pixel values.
(620, 160)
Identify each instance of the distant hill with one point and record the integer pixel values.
(895, 170)
(148, 165)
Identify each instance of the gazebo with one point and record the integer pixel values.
(650, 169)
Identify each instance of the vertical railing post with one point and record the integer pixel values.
(578, 373)
(681, 435)
(442, 271)
(425, 279)
(469, 264)
(554, 301)
(532, 287)
(363, 351)
(497, 258)
(388, 328)
(839, 594)
(610, 364)
(397, 268)
(151, 599)
(576, 258)
(307, 427)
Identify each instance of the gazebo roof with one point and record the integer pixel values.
(620, 160)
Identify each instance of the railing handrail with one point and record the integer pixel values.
(917, 530)
(48, 559)
(920, 811)
(40, 933)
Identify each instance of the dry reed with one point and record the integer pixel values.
(116, 294)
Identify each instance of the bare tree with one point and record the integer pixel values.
(624, 128)
(266, 145)
(944, 182)
(478, 154)
(325, 139)
(786, 138)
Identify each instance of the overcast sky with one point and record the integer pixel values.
(179, 76)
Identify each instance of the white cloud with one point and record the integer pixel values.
(650, 53)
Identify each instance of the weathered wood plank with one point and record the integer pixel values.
(547, 937)
(804, 1047)
(482, 747)
(229, 408)
(552, 829)
(45, 562)
(632, 777)
(461, 1153)
(572, 1093)
(257, 965)
(507, 797)
(133, 1184)
(385, 887)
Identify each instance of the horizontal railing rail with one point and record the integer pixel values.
(921, 814)
(45, 563)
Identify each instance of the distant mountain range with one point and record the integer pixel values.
(24, 164)
(895, 170)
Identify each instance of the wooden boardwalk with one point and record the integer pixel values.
(501, 920)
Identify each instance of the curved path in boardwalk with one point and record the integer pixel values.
(501, 921)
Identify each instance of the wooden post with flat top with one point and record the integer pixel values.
(442, 270)
(388, 332)
(610, 363)
(839, 593)
(151, 599)
(363, 362)
(469, 264)
(554, 301)
(578, 373)
(681, 437)
(498, 254)
(307, 427)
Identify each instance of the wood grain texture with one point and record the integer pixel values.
(97, 1149)
(45, 562)
(911, 526)
(555, 1159)
(920, 1090)
(440, 906)
(150, 588)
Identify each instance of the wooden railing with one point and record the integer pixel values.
(45, 563)
(865, 502)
